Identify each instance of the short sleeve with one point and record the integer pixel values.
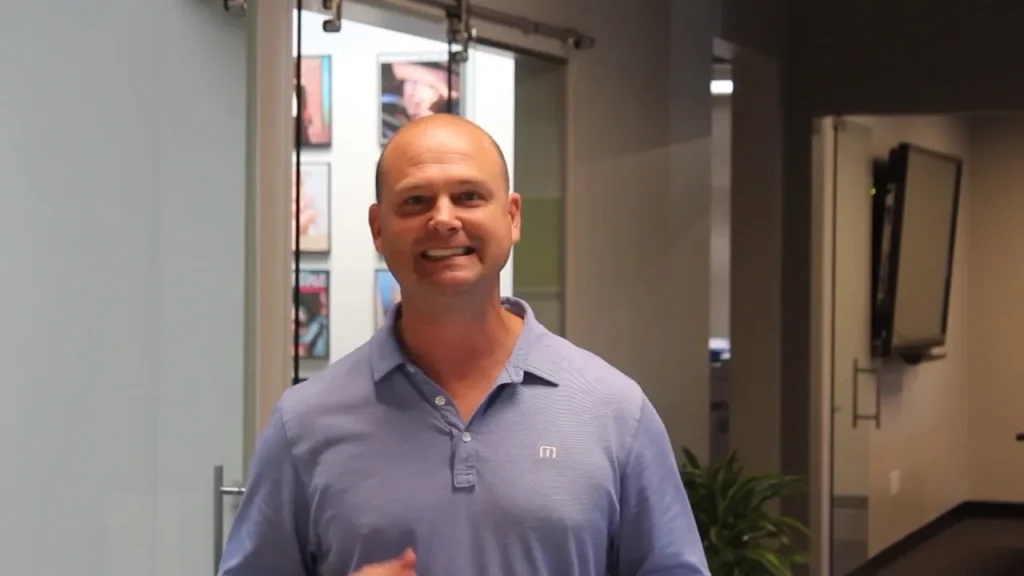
(657, 532)
(270, 533)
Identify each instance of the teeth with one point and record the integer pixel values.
(446, 252)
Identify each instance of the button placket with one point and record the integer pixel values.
(463, 461)
(463, 464)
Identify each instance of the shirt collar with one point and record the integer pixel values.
(386, 354)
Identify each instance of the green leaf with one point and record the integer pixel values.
(767, 560)
(691, 459)
(740, 537)
(792, 524)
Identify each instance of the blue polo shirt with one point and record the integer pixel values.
(564, 470)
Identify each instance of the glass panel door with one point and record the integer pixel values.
(853, 387)
(539, 268)
(314, 182)
(122, 240)
(355, 87)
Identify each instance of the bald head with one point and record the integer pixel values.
(422, 128)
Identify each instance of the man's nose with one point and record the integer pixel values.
(443, 218)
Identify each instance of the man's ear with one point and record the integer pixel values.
(515, 209)
(374, 219)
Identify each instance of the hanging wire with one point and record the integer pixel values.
(297, 249)
(459, 35)
(449, 102)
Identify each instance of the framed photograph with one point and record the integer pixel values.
(387, 294)
(413, 87)
(311, 315)
(311, 207)
(311, 101)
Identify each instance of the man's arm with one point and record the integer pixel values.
(657, 532)
(270, 534)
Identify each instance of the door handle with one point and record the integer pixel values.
(219, 492)
(1020, 437)
(857, 416)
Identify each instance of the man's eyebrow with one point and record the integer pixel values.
(415, 185)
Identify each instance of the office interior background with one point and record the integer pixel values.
(145, 216)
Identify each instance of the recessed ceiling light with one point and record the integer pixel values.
(721, 87)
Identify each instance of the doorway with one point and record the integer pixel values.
(357, 81)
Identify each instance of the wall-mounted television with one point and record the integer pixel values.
(916, 198)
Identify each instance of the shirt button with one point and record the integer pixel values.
(466, 437)
(439, 400)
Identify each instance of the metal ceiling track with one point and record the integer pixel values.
(460, 14)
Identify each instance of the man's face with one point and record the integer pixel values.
(446, 222)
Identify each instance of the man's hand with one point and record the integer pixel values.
(404, 565)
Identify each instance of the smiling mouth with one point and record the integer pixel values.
(442, 253)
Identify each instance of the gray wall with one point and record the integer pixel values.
(912, 56)
(757, 25)
(721, 198)
(756, 214)
(638, 203)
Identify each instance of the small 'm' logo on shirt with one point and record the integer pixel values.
(548, 452)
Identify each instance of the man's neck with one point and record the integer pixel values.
(458, 344)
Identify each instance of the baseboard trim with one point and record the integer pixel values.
(968, 510)
(850, 502)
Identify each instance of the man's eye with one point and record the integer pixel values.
(469, 196)
(414, 200)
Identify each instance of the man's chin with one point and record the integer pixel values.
(450, 283)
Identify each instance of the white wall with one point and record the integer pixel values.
(923, 434)
(122, 214)
(924, 423)
(489, 100)
(996, 309)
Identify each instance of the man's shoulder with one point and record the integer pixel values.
(344, 385)
(590, 396)
(581, 371)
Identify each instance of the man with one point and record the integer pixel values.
(463, 439)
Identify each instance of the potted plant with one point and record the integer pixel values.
(740, 537)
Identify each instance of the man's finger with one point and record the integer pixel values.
(401, 566)
(407, 559)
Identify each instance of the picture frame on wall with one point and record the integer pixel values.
(311, 207)
(415, 86)
(386, 294)
(312, 101)
(311, 315)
